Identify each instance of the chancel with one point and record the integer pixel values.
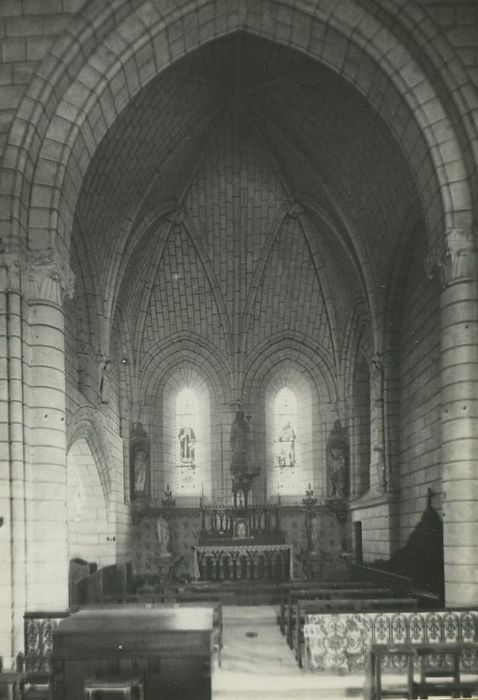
(238, 348)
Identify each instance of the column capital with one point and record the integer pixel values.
(47, 276)
(40, 275)
(454, 256)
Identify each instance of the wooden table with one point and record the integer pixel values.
(445, 682)
(450, 683)
(11, 681)
(168, 648)
(377, 653)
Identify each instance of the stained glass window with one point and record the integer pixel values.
(188, 447)
(187, 413)
(285, 437)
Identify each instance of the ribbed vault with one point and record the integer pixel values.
(245, 191)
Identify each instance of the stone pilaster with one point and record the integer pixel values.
(33, 476)
(12, 462)
(456, 259)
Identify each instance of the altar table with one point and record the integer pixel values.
(243, 562)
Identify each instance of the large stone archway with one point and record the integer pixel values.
(97, 67)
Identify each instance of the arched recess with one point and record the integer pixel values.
(358, 350)
(84, 425)
(109, 52)
(291, 417)
(290, 363)
(292, 346)
(185, 434)
(185, 362)
(89, 532)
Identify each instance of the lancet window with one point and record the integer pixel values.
(286, 450)
(187, 438)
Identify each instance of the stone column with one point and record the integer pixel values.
(456, 259)
(12, 505)
(46, 280)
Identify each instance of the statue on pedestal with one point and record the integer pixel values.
(140, 467)
(164, 539)
(241, 470)
(139, 458)
(165, 563)
(337, 461)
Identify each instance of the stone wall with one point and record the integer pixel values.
(419, 427)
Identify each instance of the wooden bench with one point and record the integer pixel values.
(338, 587)
(450, 684)
(314, 607)
(318, 593)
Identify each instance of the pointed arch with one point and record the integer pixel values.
(100, 82)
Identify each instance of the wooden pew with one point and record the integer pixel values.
(288, 586)
(315, 607)
(319, 593)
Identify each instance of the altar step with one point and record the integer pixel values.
(242, 592)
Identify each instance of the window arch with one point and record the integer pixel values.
(187, 429)
(185, 440)
(285, 429)
(289, 411)
(286, 440)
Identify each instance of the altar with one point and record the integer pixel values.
(244, 561)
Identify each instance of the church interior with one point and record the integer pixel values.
(238, 349)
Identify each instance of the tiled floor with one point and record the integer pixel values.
(262, 667)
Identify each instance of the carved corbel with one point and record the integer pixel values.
(176, 216)
(377, 373)
(12, 258)
(294, 208)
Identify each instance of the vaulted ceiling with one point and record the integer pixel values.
(244, 192)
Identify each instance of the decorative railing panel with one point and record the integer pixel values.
(342, 642)
(259, 523)
(38, 633)
(243, 562)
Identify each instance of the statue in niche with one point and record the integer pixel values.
(139, 461)
(140, 471)
(287, 438)
(337, 461)
(104, 366)
(187, 442)
(164, 540)
(241, 470)
(239, 443)
(377, 375)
